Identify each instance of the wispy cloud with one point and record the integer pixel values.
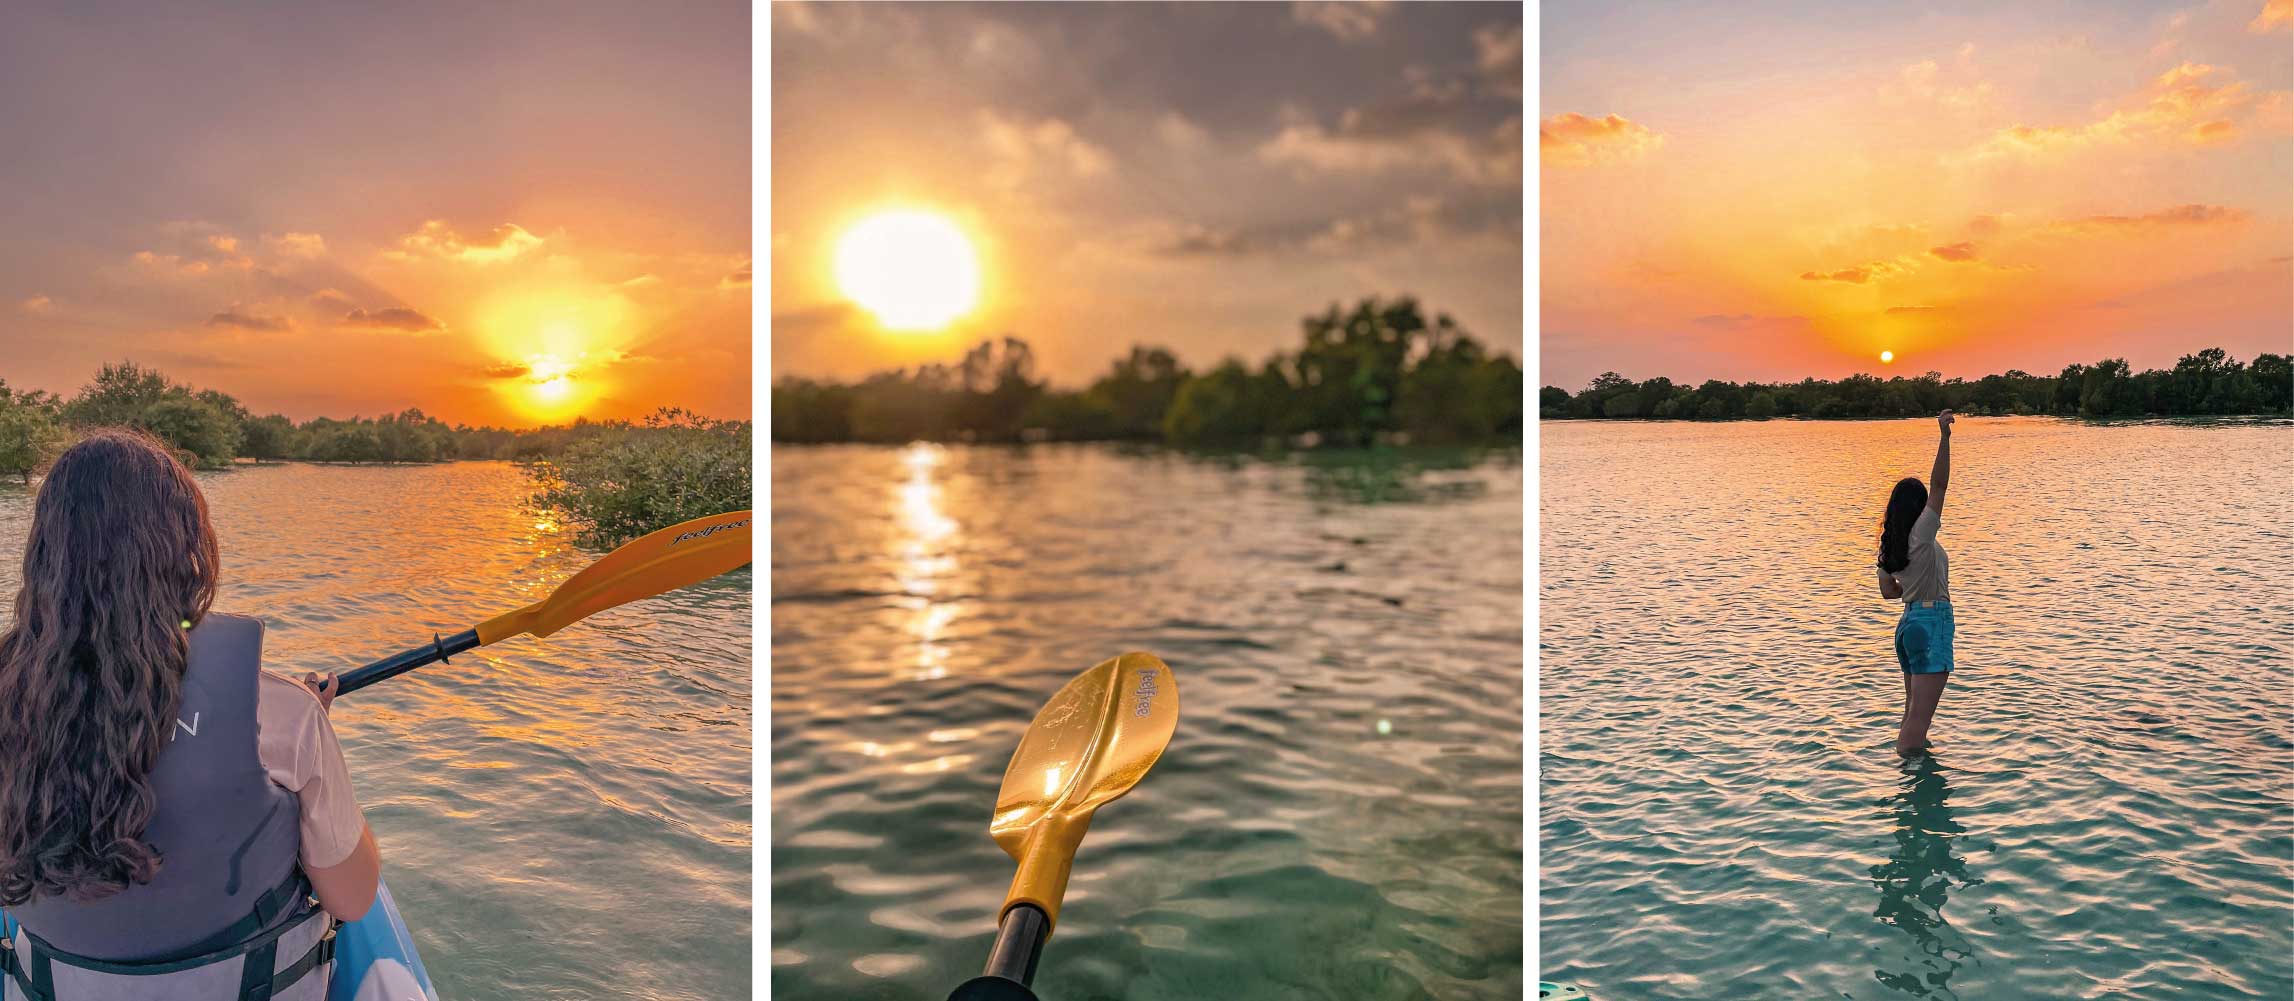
(1573, 140)
(393, 318)
(1347, 21)
(2275, 14)
(2179, 217)
(38, 305)
(250, 321)
(2190, 105)
(436, 239)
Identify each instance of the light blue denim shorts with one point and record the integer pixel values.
(1923, 638)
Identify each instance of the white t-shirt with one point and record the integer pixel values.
(297, 746)
(1922, 579)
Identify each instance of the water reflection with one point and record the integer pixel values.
(1916, 879)
(924, 560)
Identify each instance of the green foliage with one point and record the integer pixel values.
(119, 397)
(269, 439)
(2207, 383)
(30, 435)
(1361, 374)
(206, 436)
(625, 481)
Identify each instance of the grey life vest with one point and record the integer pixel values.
(229, 916)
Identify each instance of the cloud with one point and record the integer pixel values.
(1497, 55)
(1858, 275)
(1350, 21)
(39, 305)
(2275, 13)
(1573, 140)
(741, 277)
(1919, 83)
(641, 281)
(299, 245)
(1962, 251)
(436, 239)
(2179, 217)
(2181, 107)
(1419, 220)
(393, 318)
(248, 321)
(1912, 310)
(1049, 145)
(1366, 143)
(1177, 131)
(507, 370)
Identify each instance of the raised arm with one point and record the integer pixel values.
(1940, 476)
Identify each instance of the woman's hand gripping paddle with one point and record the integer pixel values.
(682, 554)
(1088, 746)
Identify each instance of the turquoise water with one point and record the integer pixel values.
(2108, 812)
(560, 819)
(1340, 813)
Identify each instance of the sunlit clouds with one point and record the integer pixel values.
(495, 219)
(1970, 191)
(1193, 176)
(1573, 140)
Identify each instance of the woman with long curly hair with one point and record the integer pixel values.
(1912, 568)
(175, 821)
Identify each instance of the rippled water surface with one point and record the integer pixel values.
(1340, 813)
(2108, 812)
(560, 819)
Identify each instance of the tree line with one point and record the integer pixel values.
(210, 429)
(1379, 371)
(2207, 383)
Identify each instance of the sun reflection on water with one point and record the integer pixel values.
(924, 555)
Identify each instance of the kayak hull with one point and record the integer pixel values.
(375, 958)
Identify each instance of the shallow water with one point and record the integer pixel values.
(2108, 812)
(926, 601)
(560, 819)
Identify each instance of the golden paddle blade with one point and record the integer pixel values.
(685, 553)
(1091, 743)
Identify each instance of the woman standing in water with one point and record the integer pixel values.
(1912, 568)
(175, 821)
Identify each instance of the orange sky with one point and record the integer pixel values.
(497, 217)
(1749, 192)
(1193, 176)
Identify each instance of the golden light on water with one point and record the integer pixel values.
(915, 271)
(924, 557)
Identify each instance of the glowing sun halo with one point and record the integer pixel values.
(1887, 356)
(913, 270)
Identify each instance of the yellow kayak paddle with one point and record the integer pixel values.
(1088, 746)
(674, 557)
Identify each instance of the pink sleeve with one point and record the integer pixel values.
(297, 745)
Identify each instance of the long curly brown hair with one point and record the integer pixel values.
(120, 563)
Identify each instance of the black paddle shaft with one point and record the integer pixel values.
(1011, 964)
(439, 648)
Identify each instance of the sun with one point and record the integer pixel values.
(1887, 356)
(914, 270)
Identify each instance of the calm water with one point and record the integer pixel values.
(2109, 811)
(559, 819)
(926, 601)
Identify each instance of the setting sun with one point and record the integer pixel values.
(1887, 356)
(915, 271)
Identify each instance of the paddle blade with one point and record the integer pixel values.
(674, 557)
(1089, 745)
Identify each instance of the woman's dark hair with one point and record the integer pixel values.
(1904, 505)
(121, 561)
